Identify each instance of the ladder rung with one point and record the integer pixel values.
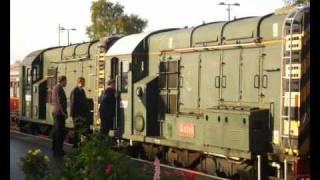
(284, 136)
(284, 116)
(289, 19)
(285, 77)
(286, 57)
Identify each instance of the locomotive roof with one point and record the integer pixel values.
(127, 44)
(242, 30)
(33, 55)
(30, 57)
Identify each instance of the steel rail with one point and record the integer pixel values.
(181, 169)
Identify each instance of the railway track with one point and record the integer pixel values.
(182, 171)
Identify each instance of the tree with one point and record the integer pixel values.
(108, 18)
(301, 2)
(296, 2)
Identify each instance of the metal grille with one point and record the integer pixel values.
(172, 103)
(163, 66)
(168, 84)
(173, 67)
(172, 80)
(163, 81)
(51, 82)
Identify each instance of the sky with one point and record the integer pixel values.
(34, 23)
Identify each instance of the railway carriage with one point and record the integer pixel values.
(14, 95)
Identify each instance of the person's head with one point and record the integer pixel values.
(112, 83)
(62, 80)
(81, 82)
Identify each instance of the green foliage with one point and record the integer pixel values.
(296, 2)
(108, 18)
(35, 165)
(93, 160)
(301, 1)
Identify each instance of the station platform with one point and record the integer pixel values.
(20, 143)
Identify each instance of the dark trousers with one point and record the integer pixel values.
(58, 133)
(81, 127)
(106, 125)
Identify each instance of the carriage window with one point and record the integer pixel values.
(114, 67)
(28, 76)
(124, 76)
(34, 74)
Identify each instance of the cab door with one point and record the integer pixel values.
(121, 72)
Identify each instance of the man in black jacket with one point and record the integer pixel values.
(79, 111)
(59, 113)
(107, 108)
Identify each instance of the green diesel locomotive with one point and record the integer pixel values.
(229, 98)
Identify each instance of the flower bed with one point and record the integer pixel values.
(35, 165)
(94, 160)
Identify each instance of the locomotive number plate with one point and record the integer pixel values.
(186, 130)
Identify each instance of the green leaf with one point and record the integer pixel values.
(109, 18)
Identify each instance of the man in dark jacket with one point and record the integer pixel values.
(59, 113)
(107, 108)
(79, 111)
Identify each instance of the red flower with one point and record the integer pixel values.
(108, 169)
(190, 176)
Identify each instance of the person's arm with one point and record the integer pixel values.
(72, 103)
(56, 99)
(86, 103)
(60, 100)
(101, 97)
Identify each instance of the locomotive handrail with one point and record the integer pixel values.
(229, 46)
(259, 23)
(194, 29)
(68, 61)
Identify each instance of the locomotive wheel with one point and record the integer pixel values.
(246, 173)
(208, 165)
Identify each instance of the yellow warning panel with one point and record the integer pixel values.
(294, 101)
(292, 152)
(294, 127)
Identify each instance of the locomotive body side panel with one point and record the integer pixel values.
(210, 79)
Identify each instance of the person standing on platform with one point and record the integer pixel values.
(107, 108)
(59, 113)
(79, 111)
